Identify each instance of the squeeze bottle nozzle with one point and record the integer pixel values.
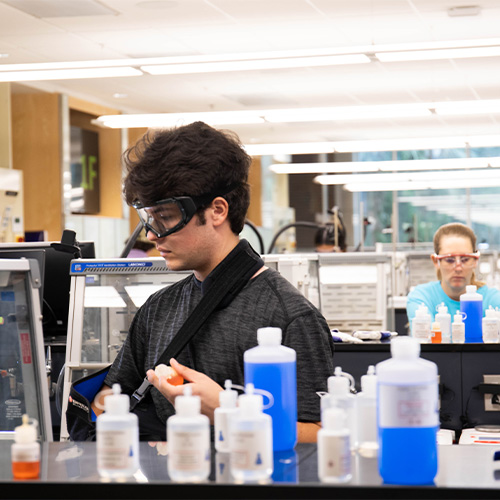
(25, 433)
(250, 403)
(187, 405)
(369, 382)
(442, 309)
(117, 403)
(458, 318)
(338, 384)
(228, 397)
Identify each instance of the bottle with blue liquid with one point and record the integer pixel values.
(471, 303)
(272, 367)
(407, 415)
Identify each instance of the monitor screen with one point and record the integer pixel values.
(56, 280)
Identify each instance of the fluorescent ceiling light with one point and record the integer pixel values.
(163, 120)
(485, 106)
(422, 55)
(267, 60)
(385, 166)
(289, 62)
(291, 115)
(484, 176)
(420, 185)
(292, 148)
(418, 143)
(67, 74)
(347, 113)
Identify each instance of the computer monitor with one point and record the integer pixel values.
(55, 277)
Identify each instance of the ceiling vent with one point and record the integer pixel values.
(464, 10)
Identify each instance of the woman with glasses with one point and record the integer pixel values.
(455, 259)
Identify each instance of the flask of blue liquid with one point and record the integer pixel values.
(407, 415)
(471, 303)
(272, 367)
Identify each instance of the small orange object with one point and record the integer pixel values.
(170, 374)
(26, 470)
(436, 333)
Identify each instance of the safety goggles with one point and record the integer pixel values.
(171, 214)
(451, 260)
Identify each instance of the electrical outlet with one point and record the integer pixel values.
(488, 405)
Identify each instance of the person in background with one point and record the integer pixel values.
(190, 188)
(332, 237)
(455, 259)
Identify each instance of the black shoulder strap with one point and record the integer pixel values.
(218, 289)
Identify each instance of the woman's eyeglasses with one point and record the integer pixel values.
(451, 260)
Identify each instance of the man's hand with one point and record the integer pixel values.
(201, 385)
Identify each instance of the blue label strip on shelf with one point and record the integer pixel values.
(81, 267)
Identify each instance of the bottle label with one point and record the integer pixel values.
(421, 330)
(249, 450)
(490, 330)
(458, 332)
(408, 405)
(336, 456)
(188, 450)
(115, 449)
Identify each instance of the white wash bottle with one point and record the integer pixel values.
(227, 401)
(251, 439)
(334, 449)
(188, 437)
(117, 436)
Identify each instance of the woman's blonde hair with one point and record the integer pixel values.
(456, 229)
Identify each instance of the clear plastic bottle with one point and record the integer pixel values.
(471, 303)
(443, 317)
(490, 326)
(25, 452)
(340, 396)
(334, 449)
(408, 419)
(251, 439)
(366, 414)
(188, 437)
(117, 436)
(272, 367)
(227, 401)
(421, 325)
(458, 329)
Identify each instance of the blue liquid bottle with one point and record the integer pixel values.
(407, 415)
(471, 303)
(272, 367)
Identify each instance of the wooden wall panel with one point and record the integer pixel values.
(255, 180)
(36, 150)
(134, 134)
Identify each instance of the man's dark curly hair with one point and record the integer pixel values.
(190, 160)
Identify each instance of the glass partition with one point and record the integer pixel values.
(23, 377)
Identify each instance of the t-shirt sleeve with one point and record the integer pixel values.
(128, 366)
(310, 337)
(416, 298)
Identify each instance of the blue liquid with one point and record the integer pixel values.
(474, 320)
(408, 455)
(280, 380)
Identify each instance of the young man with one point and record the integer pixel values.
(190, 188)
